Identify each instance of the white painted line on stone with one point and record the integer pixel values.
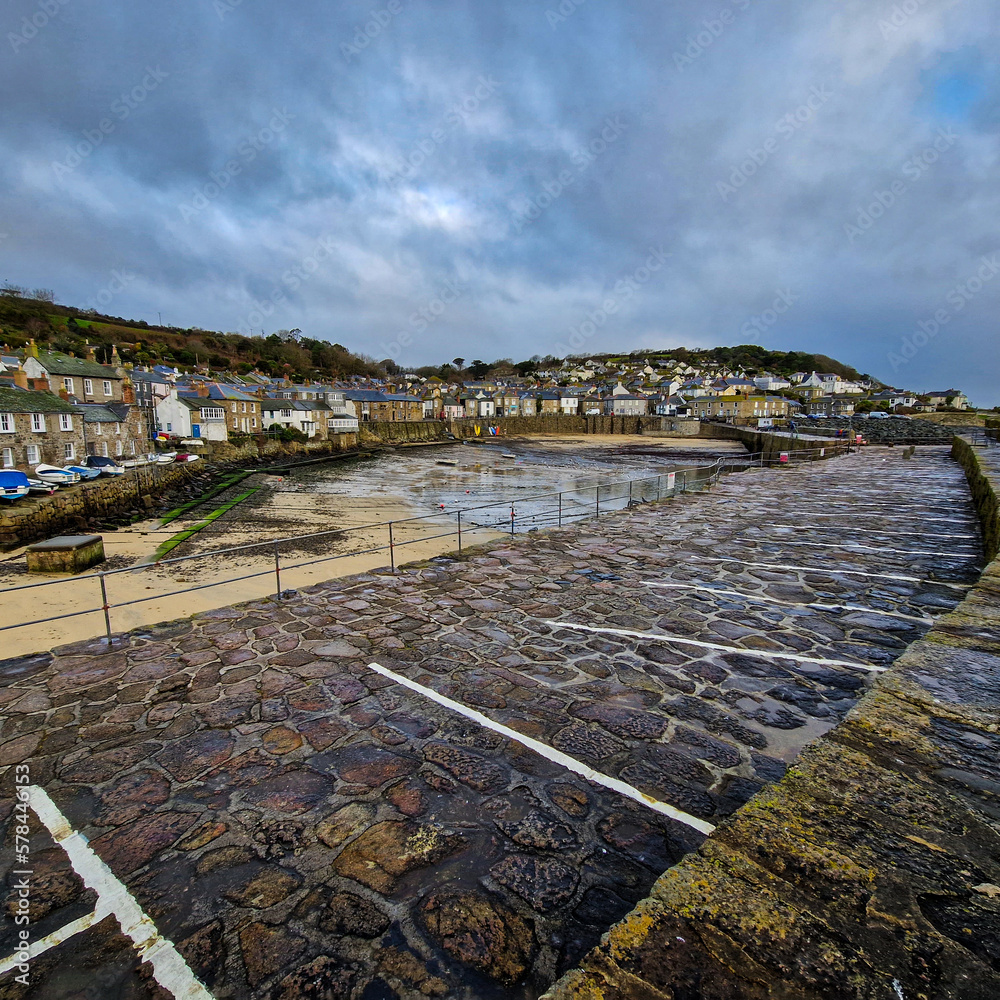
(549, 753)
(923, 619)
(852, 547)
(42, 945)
(169, 968)
(765, 654)
(824, 569)
(862, 529)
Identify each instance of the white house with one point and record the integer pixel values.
(192, 417)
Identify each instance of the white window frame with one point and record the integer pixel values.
(88, 387)
(34, 454)
(7, 425)
(69, 451)
(212, 413)
(68, 384)
(65, 421)
(38, 423)
(7, 458)
(107, 388)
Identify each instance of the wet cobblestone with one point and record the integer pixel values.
(302, 826)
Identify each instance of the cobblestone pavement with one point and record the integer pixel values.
(301, 825)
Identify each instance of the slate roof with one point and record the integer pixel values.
(28, 401)
(98, 413)
(63, 364)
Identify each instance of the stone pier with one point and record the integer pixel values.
(453, 779)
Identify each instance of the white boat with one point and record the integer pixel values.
(447, 461)
(184, 457)
(166, 457)
(37, 486)
(54, 474)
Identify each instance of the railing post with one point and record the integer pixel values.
(392, 549)
(659, 486)
(630, 492)
(511, 520)
(277, 570)
(460, 530)
(560, 510)
(598, 498)
(105, 607)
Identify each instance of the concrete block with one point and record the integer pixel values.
(65, 554)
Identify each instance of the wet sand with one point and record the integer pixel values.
(352, 506)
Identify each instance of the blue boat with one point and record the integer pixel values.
(105, 466)
(13, 484)
(84, 472)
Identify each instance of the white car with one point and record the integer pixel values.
(878, 415)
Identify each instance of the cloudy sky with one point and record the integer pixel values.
(450, 177)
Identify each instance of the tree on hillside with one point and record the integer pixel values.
(478, 369)
(458, 362)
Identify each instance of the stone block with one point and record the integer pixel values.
(65, 554)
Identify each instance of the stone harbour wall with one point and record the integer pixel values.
(67, 510)
(872, 870)
(983, 493)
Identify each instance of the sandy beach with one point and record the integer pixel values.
(352, 508)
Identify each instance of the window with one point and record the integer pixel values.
(107, 388)
(65, 421)
(170, 427)
(6, 423)
(34, 455)
(213, 413)
(253, 422)
(88, 387)
(69, 450)
(98, 429)
(104, 448)
(8, 457)
(68, 384)
(234, 407)
(243, 407)
(287, 414)
(38, 422)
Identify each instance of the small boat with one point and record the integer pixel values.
(165, 458)
(507, 454)
(84, 471)
(105, 466)
(37, 486)
(136, 462)
(447, 461)
(13, 484)
(54, 474)
(185, 457)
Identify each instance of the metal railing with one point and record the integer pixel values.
(543, 510)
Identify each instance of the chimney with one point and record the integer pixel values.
(63, 394)
(128, 391)
(41, 385)
(201, 389)
(115, 360)
(32, 351)
(21, 378)
(91, 356)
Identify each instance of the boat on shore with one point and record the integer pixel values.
(105, 466)
(84, 471)
(166, 457)
(13, 485)
(185, 457)
(56, 474)
(37, 486)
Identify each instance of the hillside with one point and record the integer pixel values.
(34, 314)
(64, 328)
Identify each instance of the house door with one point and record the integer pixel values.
(196, 430)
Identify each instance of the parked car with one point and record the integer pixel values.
(878, 415)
